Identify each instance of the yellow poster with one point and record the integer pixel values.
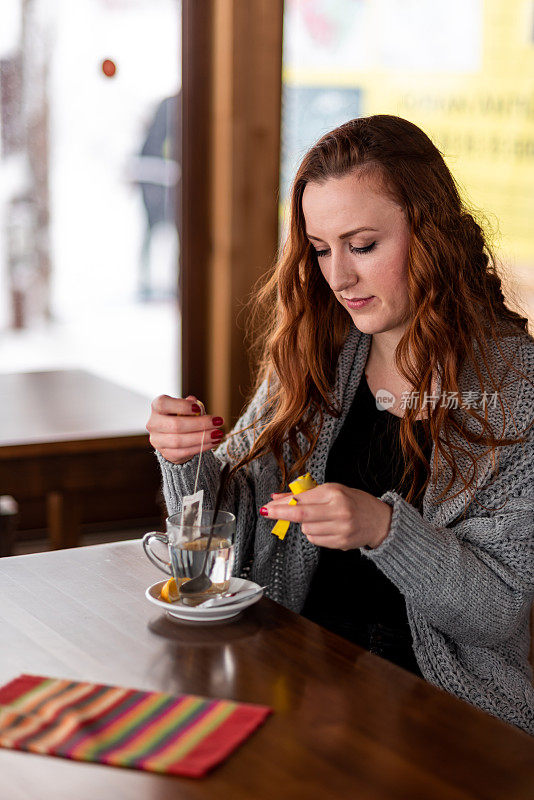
(462, 70)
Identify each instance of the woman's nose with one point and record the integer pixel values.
(341, 273)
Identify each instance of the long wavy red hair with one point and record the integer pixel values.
(456, 301)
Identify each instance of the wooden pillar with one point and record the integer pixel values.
(231, 111)
(195, 247)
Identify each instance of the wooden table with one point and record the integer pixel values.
(346, 723)
(78, 442)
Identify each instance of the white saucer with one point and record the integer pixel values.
(179, 612)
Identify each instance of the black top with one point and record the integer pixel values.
(365, 606)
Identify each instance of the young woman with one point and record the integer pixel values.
(393, 371)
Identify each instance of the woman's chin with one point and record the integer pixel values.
(365, 324)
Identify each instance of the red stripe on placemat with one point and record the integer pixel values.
(221, 742)
(19, 686)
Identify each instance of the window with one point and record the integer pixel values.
(89, 181)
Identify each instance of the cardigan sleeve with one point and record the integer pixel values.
(474, 580)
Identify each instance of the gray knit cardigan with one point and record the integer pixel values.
(466, 570)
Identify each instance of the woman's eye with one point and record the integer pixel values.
(367, 249)
(362, 249)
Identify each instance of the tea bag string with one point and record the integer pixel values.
(201, 404)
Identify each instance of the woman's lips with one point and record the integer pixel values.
(359, 303)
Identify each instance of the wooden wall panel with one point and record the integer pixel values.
(234, 192)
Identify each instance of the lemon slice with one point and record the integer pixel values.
(169, 591)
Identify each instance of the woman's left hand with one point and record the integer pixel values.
(333, 515)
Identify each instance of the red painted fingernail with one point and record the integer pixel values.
(264, 512)
(217, 434)
(195, 408)
(217, 421)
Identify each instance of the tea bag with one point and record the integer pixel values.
(192, 503)
(192, 508)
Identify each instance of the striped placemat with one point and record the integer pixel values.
(175, 734)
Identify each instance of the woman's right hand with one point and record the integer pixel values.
(176, 428)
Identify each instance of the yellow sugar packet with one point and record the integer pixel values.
(301, 484)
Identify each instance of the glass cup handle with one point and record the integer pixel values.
(158, 562)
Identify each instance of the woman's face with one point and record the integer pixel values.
(361, 238)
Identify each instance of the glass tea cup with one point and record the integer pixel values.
(187, 549)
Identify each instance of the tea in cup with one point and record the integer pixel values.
(187, 549)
